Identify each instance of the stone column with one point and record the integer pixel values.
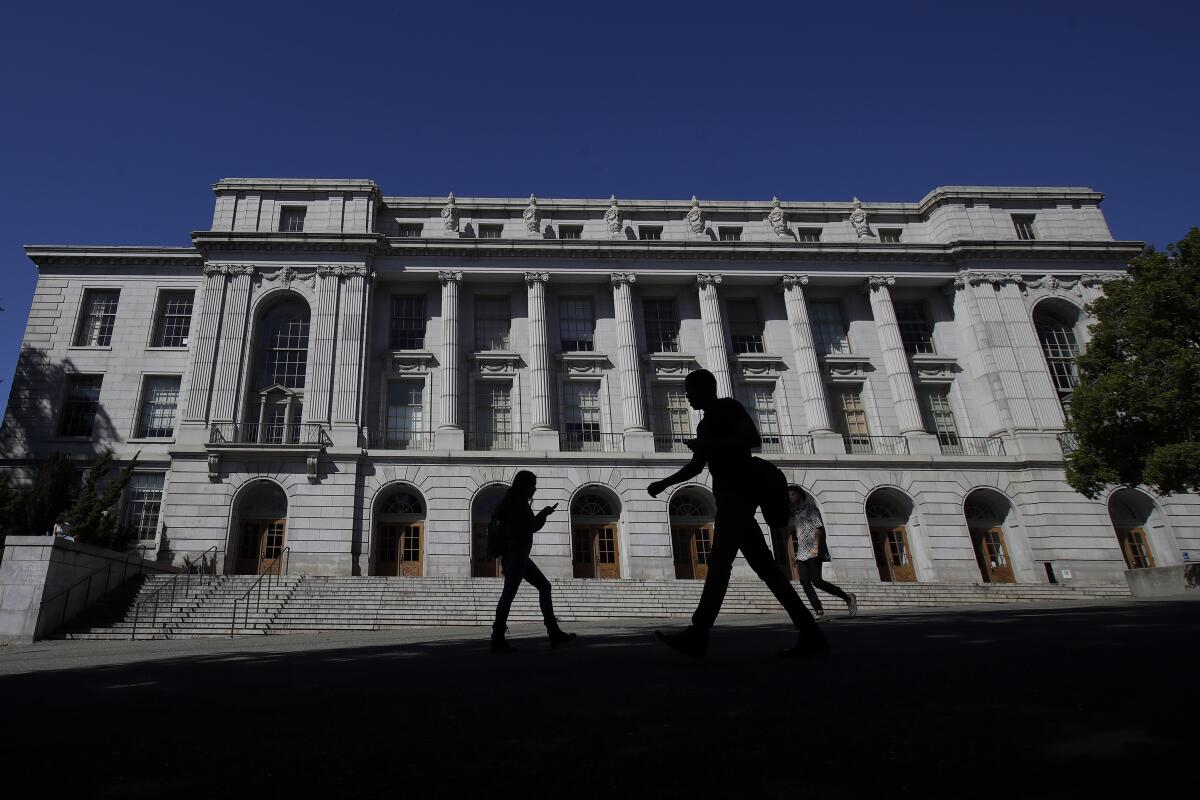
(450, 432)
(808, 371)
(895, 361)
(714, 333)
(638, 437)
(985, 288)
(1047, 410)
(981, 363)
(208, 326)
(317, 393)
(349, 346)
(233, 343)
(542, 435)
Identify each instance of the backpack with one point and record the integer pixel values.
(497, 537)
(770, 488)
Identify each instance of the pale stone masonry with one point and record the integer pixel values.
(362, 372)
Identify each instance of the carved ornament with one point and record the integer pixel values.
(880, 281)
(695, 218)
(612, 217)
(858, 219)
(793, 281)
(448, 276)
(530, 215)
(777, 218)
(622, 278)
(537, 277)
(708, 279)
(450, 215)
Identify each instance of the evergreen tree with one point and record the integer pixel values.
(93, 517)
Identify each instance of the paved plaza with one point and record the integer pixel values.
(1028, 701)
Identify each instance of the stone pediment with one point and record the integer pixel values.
(582, 363)
(416, 362)
(669, 366)
(846, 367)
(758, 366)
(497, 363)
(930, 368)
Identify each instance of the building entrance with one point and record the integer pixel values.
(893, 555)
(692, 532)
(594, 535)
(992, 555)
(260, 547)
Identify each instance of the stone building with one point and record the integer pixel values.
(341, 382)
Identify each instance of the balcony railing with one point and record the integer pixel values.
(497, 441)
(1068, 442)
(672, 443)
(400, 439)
(877, 445)
(589, 442)
(970, 445)
(800, 443)
(268, 433)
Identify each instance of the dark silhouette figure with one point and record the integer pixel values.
(516, 523)
(809, 536)
(723, 441)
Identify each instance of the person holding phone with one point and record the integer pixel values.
(516, 519)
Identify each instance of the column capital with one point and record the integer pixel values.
(228, 269)
(1095, 279)
(450, 276)
(708, 279)
(622, 278)
(790, 281)
(342, 271)
(880, 281)
(537, 277)
(994, 278)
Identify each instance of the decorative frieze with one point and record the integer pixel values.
(409, 362)
(497, 364)
(286, 275)
(1051, 285)
(228, 269)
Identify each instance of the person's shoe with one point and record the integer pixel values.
(852, 603)
(807, 647)
(690, 642)
(559, 636)
(499, 645)
(819, 615)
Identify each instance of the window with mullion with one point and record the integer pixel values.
(941, 418)
(576, 324)
(493, 322)
(582, 412)
(915, 332)
(174, 319)
(289, 353)
(1060, 348)
(405, 412)
(760, 401)
(828, 330)
(494, 414)
(674, 418)
(82, 402)
(143, 503)
(407, 327)
(99, 318)
(854, 420)
(662, 326)
(160, 396)
(745, 327)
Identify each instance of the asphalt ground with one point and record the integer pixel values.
(1048, 700)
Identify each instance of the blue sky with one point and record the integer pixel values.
(118, 117)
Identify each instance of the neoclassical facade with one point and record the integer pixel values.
(340, 382)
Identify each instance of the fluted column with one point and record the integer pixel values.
(207, 328)
(317, 392)
(714, 333)
(895, 361)
(632, 403)
(1047, 409)
(450, 432)
(539, 370)
(808, 371)
(349, 344)
(982, 363)
(985, 288)
(233, 342)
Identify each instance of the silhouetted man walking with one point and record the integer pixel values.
(723, 441)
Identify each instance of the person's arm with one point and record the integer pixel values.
(539, 519)
(689, 471)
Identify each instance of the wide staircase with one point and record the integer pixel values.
(191, 606)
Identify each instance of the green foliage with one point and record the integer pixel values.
(33, 511)
(1136, 411)
(93, 517)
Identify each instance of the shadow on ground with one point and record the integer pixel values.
(1062, 702)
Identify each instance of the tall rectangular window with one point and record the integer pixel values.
(407, 328)
(582, 414)
(760, 402)
(291, 219)
(808, 235)
(493, 415)
(649, 233)
(854, 420)
(1023, 223)
(143, 503)
(915, 332)
(576, 324)
(79, 408)
(570, 231)
(828, 329)
(729, 234)
(662, 326)
(674, 421)
(745, 327)
(493, 320)
(405, 414)
(174, 319)
(940, 417)
(490, 231)
(98, 319)
(160, 396)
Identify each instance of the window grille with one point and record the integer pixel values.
(808, 235)
(174, 319)
(160, 396)
(490, 231)
(662, 326)
(582, 412)
(915, 332)
(648, 233)
(576, 323)
(1060, 348)
(493, 320)
(745, 327)
(829, 332)
(1023, 224)
(729, 234)
(854, 418)
(82, 402)
(889, 235)
(405, 413)
(570, 231)
(291, 219)
(411, 230)
(760, 401)
(143, 503)
(941, 416)
(407, 331)
(99, 318)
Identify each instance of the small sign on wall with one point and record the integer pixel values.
(1066, 573)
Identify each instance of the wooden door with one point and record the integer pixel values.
(481, 565)
(692, 545)
(583, 561)
(892, 555)
(992, 555)
(785, 552)
(260, 546)
(401, 549)
(1135, 548)
(608, 562)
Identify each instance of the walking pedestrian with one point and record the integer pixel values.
(724, 439)
(808, 533)
(515, 523)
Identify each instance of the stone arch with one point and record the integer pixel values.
(892, 522)
(691, 515)
(483, 503)
(595, 514)
(1142, 530)
(398, 514)
(998, 540)
(257, 536)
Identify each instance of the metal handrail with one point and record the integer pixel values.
(402, 439)
(137, 609)
(876, 445)
(256, 588)
(952, 444)
(787, 443)
(91, 576)
(591, 441)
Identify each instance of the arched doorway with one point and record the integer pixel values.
(1131, 513)
(261, 525)
(400, 533)
(987, 514)
(888, 518)
(692, 514)
(594, 548)
(482, 507)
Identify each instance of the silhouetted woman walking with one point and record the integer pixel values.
(515, 523)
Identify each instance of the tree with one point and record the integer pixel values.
(33, 511)
(93, 517)
(1136, 411)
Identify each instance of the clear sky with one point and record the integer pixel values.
(118, 117)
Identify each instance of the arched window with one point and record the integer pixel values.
(275, 406)
(402, 503)
(592, 505)
(687, 504)
(1060, 348)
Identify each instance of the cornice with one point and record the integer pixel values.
(53, 255)
(223, 241)
(948, 194)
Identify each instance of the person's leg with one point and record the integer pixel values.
(824, 585)
(760, 560)
(538, 580)
(716, 581)
(805, 572)
(513, 562)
